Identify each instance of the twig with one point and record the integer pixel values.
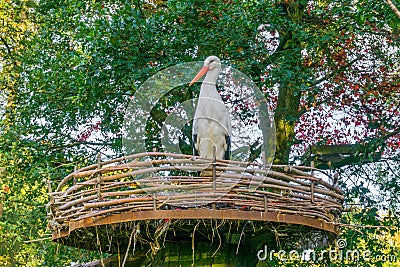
(240, 238)
(394, 8)
(37, 240)
(193, 253)
(220, 242)
(367, 226)
(99, 244)
(129, 244)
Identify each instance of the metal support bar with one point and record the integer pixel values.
(214, 169)
(312, 191)
(99, 178)
(264, 160)
(49, 187)
(75, 180)
(312, 182)
(265, 203)
(214, 172)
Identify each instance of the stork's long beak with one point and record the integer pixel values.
(201, 73)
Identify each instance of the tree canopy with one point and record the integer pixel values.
(328, 69)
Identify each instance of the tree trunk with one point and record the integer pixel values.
(286, 115)
(287, 108)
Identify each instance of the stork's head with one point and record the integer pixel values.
(212, 63)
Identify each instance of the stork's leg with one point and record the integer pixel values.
(228, 147)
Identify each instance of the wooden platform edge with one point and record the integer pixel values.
(130, 216)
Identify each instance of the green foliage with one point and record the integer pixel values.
(69, 68)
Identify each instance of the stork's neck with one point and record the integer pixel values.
(212, 76)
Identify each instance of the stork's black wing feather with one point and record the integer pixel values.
(228, 147)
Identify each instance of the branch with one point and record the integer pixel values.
(6, 45)
(78, 143)
(385, 137)
(9, 50)
(333, 73)
(394, 8)
(329, 76)
(140, 9)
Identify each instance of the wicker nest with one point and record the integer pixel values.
(151, 198)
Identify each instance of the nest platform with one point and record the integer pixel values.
(154, 197)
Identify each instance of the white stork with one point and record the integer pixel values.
(211, 123)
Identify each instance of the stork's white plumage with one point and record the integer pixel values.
(212, 123)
